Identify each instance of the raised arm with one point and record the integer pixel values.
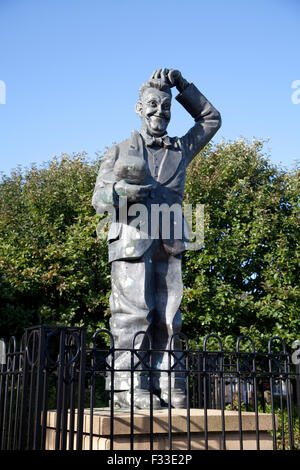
(207, 121)
(207, 118)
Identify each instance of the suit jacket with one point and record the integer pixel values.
(125, 240)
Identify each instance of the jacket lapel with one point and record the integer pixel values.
(169, 165)
(136, 144)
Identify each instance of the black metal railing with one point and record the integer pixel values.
(54, 385)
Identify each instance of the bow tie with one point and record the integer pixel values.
(163, 141)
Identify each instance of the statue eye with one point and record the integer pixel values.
(153, 103)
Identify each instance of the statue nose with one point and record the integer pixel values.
(160, 110)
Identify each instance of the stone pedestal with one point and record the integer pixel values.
(121, 440)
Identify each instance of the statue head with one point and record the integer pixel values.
(154, 106)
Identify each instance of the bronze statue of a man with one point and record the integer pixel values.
(148, 170)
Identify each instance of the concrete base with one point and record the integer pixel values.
(121, 440)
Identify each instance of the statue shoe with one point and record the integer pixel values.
(141, 399)
(178, 398)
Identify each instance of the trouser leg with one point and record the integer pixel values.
(132, 307)
(167, 319)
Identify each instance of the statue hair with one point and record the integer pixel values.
(155, 83)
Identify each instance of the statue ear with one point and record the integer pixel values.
(139, 108)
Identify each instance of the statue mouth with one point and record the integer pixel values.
(160, 116)
(158, 119)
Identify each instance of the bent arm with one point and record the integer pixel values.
(104, 195)
(207, 118)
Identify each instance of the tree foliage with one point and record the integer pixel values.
(53, 270)
(244, 281)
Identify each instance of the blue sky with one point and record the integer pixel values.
(72, 69)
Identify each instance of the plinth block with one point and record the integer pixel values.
(101, 429)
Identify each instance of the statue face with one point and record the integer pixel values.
(155, 111)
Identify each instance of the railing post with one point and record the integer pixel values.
(25, 381)
(2, 392)
(39, 393)
(298, 393)
(81, 388)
